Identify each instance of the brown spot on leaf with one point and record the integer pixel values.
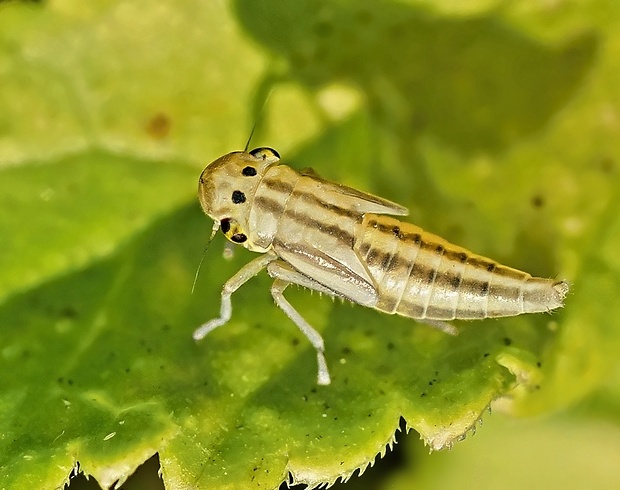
(158, 126)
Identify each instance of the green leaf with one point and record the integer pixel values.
(498, 127)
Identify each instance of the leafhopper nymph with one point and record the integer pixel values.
(342, 242)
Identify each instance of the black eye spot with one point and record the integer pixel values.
(225, 225)
(238, 197)
(249, 171)
(238, 238)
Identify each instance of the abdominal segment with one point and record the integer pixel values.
(423, 276)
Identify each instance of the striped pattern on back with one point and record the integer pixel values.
(420, 275)
(313, 231)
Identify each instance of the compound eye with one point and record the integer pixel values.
(266, 154)
(238, 238)
(231, 229)
(225, 225)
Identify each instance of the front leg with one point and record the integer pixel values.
(247, 272)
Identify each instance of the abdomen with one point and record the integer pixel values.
(423, 276)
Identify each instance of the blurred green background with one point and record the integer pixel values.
(497, 123)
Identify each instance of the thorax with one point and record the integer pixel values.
(269, 204)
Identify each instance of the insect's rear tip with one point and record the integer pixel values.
(561, 288)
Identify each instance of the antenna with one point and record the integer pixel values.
(251, 134)
(258, 119)
(216, 226)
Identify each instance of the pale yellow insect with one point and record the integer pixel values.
(342, 242)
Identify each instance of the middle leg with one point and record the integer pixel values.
(284, 276)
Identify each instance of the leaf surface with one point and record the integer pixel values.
(497, 128)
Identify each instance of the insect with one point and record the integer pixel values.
(345, 243)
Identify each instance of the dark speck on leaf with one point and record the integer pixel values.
(538, 201)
